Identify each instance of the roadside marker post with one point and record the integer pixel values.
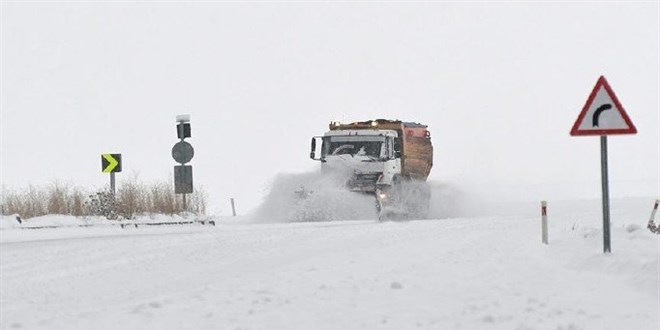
(233, 207)
(603, 115)
(652, 226)
(544, 222)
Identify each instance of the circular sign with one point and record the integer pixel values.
(182, 152)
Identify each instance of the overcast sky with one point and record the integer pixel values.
(499, 84)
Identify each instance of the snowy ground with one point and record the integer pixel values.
(482, 272)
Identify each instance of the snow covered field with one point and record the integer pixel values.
(479, 272)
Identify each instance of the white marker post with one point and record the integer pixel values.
(544, 222)
(603, 115)
(233, 207)
(651, 226)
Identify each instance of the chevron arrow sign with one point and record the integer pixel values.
(110, 163)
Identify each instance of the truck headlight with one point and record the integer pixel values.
(382, 195)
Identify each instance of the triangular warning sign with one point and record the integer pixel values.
(603, 114)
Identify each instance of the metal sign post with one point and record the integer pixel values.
(606, 195)
(603, 115)
(183, 152)
(112, 183)
(181, 136)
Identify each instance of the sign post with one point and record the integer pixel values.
(605, 184)
(603, 115)
(111, 163)
(183, 152)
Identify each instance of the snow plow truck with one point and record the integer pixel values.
(388, 159)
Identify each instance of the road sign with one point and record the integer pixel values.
(603, 114)
(183, 130)
(110, 163)
(183, 180)
(182, 152)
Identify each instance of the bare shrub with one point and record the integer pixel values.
(133, 198)
(31, 202)
(58, 195)
(11, 203)
(163, 199)
(197, 201)
(76, 202)
(34, 204)
(55, 198)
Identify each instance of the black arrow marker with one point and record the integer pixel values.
(598, 112)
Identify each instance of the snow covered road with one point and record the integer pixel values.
(471, 273)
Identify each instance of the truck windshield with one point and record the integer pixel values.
(354, 146)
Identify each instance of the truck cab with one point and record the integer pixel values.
(367, 157)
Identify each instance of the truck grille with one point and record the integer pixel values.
(364, 182)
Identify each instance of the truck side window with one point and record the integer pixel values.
(397, 146)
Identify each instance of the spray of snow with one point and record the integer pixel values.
(313, 197)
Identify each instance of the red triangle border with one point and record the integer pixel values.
(602, 82)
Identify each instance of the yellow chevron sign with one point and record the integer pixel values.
(110, 163)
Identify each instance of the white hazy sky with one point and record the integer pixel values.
(499, 84)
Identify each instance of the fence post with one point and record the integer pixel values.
(233, 207)
(544, 222)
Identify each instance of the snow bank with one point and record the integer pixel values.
(48, 221)
(68, 221)
(9, 221)
(577, 225)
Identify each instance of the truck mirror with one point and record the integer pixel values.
(312, 153)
